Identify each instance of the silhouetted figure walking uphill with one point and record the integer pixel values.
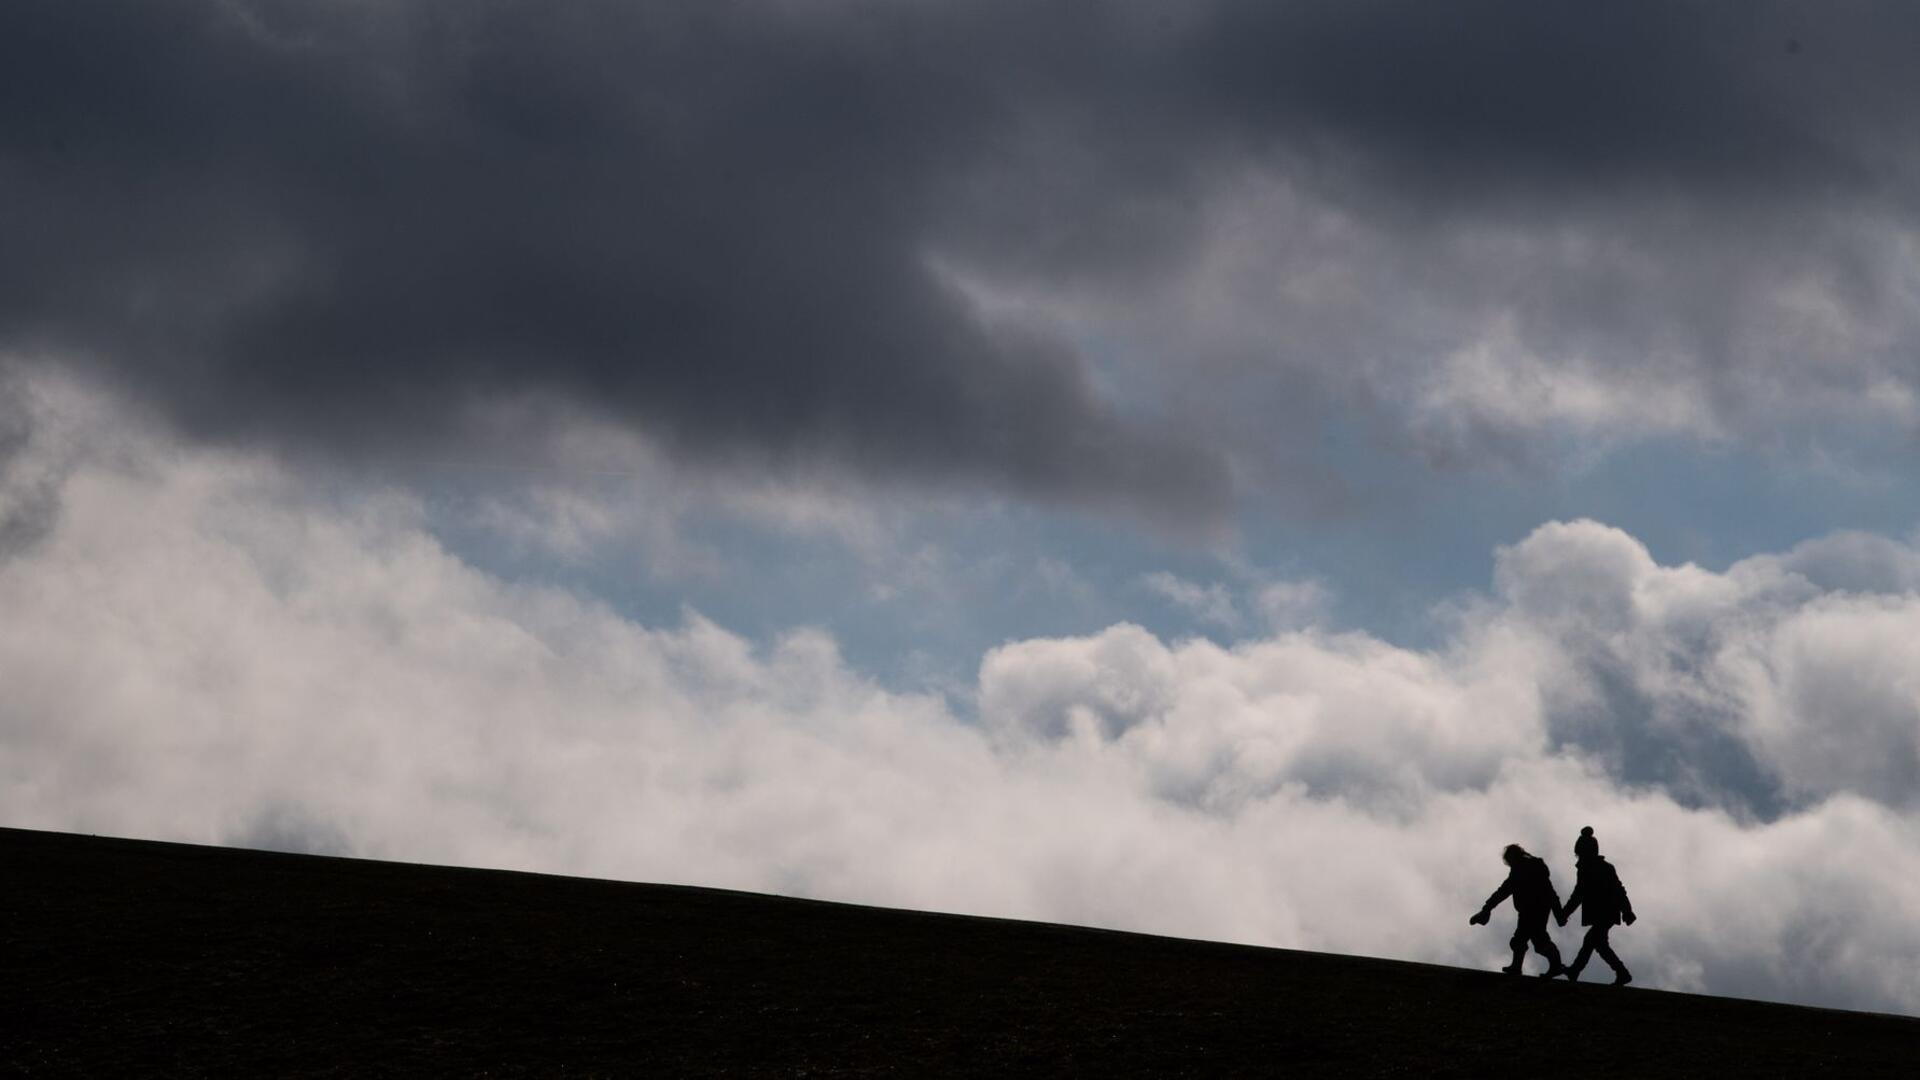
(1602, 902)
(1530, 884)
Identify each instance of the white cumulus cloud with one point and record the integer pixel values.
(205, 646)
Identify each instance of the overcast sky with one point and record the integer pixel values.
(1214, 468)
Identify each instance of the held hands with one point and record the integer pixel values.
(1478, 918)
(1561, 916)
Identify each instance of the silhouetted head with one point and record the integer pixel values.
(1586, 845)
(1514, 854)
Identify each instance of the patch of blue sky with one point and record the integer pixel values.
(956, 579)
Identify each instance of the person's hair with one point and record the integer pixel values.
(1513, 854)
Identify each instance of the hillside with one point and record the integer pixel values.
(132, 958)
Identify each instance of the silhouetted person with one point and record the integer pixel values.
(1531, 886)
(1602, 902)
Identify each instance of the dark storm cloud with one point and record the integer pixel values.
(350, 224)
(1486, 224)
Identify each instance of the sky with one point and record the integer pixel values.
(1220, 468)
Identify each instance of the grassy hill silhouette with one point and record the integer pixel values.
(134, 958)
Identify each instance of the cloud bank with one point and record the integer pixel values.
(273, 662)
(1088, 254)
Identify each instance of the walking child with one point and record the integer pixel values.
(1530, 884)
(1602, 902)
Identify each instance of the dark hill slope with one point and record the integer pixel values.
(130, 958)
